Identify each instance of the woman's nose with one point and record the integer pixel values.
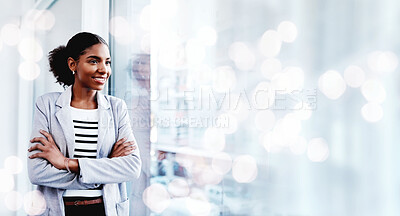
(102, 68)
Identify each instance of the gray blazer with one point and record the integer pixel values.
(53, 114)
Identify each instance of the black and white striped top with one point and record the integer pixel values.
(86, 133)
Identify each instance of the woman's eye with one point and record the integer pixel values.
(93, 61)
(108, 62)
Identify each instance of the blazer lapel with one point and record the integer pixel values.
(63, 115)
(104, 119)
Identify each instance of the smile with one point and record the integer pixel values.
(100, 80)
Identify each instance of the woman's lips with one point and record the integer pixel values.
(100, 80)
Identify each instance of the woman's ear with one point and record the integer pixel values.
(71, 64)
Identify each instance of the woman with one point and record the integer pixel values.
(82, 149)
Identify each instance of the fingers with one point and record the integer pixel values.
(115, 149)
(47, 135)
(119, 142)
(36, 147)
(123, 147)
(126, 144)
(39, 139)
(37, 155)
(127, 151)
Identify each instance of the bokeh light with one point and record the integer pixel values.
(302, 111)
(331, 84)
(13, 200)
(270, 43)
(29, 70)
(45, 20)
(205, 175)
(270, 67)
(221, 163)
(244, 169)
(31, 16)
(271, 142)
(184, 159)
(299, 146)
(6, 181)
(291, 79)
(290, 125)
(382, 62)
(354, 76)
(264, 120)
(171, 52)
(30, 49)
(318, 150)
(224, 79)
(214, 139)
(373, 91)
(195, 165)
(286, 130)
(235, 50)
(201, 74)
(207, 35)
(166, 9)
(243, 57)
(263, 95)
(239, 106)
(372, 112)
(178, 187)
(11, 34)
(287, 31)
(34, 203)
(195, 51)
(121, 30)
(232, 121)
(39, 20)
(13, 164)
(156, 198)
(145, 18)
(197, 204)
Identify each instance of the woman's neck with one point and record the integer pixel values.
(83, 98)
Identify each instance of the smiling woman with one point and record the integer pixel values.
(95, 64)
(82, 147)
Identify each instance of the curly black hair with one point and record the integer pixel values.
(76, 46)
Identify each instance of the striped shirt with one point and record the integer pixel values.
(85, 123)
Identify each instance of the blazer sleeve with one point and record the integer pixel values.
(40, 171)
(118, 169)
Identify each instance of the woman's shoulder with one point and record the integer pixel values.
(49, 97)
(115, 101)
(47, 101)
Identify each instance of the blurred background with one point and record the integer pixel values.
(240, 107)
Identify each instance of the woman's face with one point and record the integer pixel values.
(93, 68)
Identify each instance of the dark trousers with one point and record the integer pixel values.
(83, 210)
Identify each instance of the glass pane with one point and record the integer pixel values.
(131, 82)
(265, 107)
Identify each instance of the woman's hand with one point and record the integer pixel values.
(49, 149)
(122, 148)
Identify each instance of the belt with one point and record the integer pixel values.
(84, 202)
